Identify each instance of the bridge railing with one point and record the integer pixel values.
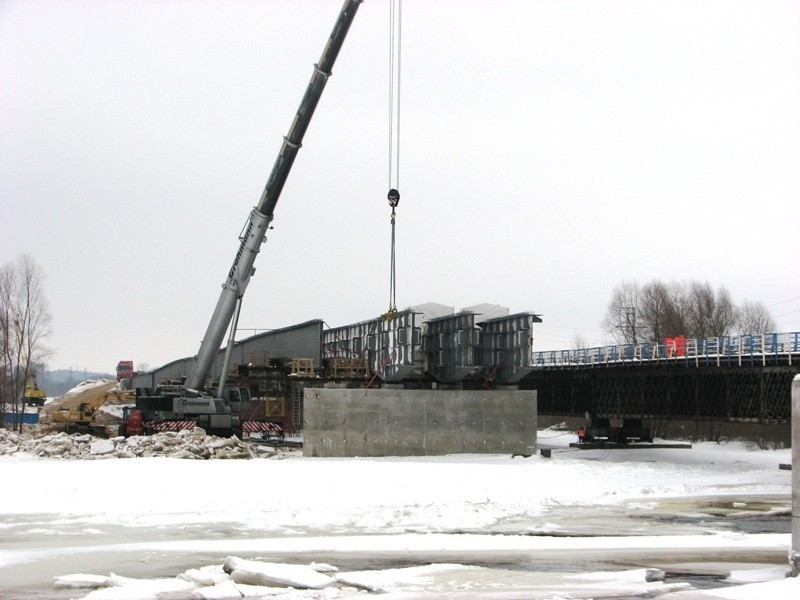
(725, 350)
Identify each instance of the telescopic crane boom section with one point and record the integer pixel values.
(256, 229)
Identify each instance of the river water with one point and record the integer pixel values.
(49, 545)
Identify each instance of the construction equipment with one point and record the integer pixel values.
(263, 418)
(191, 402)
(33, 395)
(84, 416)
(599, 429)
(600, 434)
(125, 370)
(267, 396)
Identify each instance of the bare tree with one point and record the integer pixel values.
(622, 313)
(754, 318)
(6, 322)
(694, 309)
(723, 318)
(710, 313)
(579, 342)
(676, 319)
(25, 323)
(700, 304)
(657, 311)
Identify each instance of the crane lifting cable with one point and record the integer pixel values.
(395, 10)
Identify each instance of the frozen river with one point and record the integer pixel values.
(507, 527)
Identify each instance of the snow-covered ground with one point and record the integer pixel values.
(582, 524)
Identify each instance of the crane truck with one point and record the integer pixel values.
(170, 407)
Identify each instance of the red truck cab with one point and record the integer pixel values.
(125, 369)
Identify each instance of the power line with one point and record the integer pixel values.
(783, 302)
(789, 323)
(540, 325)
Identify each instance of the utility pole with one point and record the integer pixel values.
(630, 320)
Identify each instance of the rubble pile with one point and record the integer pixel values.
(194, 445)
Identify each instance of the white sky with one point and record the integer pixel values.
(550, 150)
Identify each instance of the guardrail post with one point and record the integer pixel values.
(794, 552)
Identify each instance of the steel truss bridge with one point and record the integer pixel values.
(734, 378)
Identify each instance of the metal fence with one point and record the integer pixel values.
(769, 348)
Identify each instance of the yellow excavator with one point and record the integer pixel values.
(84, 417)
(33, 395)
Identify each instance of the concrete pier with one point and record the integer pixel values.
(396, 422)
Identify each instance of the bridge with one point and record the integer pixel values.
(742, 379)
(765, 349)
(732, 386)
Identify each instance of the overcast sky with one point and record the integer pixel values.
(550, 150)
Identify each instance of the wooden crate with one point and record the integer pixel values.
(348, 368)
(266, 406)
(303, 367)
(275, 407)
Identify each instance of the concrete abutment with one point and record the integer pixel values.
(395, 422)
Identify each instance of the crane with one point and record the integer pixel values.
(188, 400)
(262, 215)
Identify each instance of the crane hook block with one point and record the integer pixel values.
(394, 197)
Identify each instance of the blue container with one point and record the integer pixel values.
(27, 418)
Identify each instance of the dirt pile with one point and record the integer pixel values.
(102, 395)
(193, 445)
(92, 393)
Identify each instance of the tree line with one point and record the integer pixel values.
(24, 327)
(657, 310)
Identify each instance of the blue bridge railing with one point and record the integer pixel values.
(759, 349)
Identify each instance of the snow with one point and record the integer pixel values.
(777, 589)
(280, 574)
(384, 580)
(124, 588)
(757, 575)
(114, 410)
(85, 385)
(102, 447)
(79, 580)
(396, 527)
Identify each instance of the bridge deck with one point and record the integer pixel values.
(770, 349)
